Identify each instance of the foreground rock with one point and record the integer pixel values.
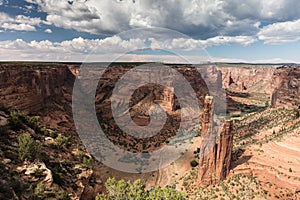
(39, 163)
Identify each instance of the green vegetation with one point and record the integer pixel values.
(236, 187)
(252, 124)
(296, 113)
(87, 162)
(28, 149)
(23, 138)
(53, 134)
(39, 191)
(63, 141)
(194, 163)
(63, 196)
(10, 184)
(125, 190)
(16, 120)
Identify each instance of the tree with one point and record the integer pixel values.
(125, 190)
(16, 120)
(27, 147)
(194, 163)
(166, 193)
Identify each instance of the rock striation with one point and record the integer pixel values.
(215, 153)
(39, 89)
(247, 78)
(224, 149)
(207, 158)
(286, 84)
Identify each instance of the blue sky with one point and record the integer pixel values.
(78, 30)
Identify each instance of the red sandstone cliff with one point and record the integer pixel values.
(207, 161)
(248, 78)
(215, 154)
(43, 90)
(286, 84)
(224, 148)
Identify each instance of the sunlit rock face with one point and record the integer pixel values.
(286, 84)
(248, 78)
(215, 153)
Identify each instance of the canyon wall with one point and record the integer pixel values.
(40, 89)
(46, 88)
(215, 152)
(248, 78)
(281, 83)
(286, 84)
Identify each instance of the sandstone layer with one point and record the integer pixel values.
(43, 90)
(251, 78)
(215, 153)
(286, 84)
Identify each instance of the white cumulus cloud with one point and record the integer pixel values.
(48, 30)
(18, 27)
(104, 49)
(280, 32)
(19, 22)
(200, 19)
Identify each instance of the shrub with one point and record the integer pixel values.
(44, 131)
(81, 155)
(126, 190)
(87, 163)
(63, 141)
(38, 173)
(63, 196)
(39, 191)
(267, 104)
(296, 113)
(27, 147)
(33, 121)
(16, 120)
(53, 134)
(194, 163)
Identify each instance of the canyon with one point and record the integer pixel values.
(262, 105)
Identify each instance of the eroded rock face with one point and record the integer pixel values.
(248, 78)
(224, 148)
(286, 84)
(207, 160)
(43, 90)
(215, 154)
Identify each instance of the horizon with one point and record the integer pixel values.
(138, 62)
